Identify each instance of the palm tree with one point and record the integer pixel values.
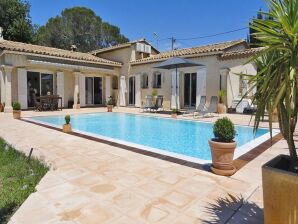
(277, 77)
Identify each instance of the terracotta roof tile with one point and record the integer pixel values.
(240, 54)
(54, 52)
(206, 49)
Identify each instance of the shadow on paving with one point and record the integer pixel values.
(231, 209)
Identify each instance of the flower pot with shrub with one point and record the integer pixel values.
(110, 104)
(67, 125)
(221, 107)
(222, 147)
(276, 85)
(16, 106)
(174, 113)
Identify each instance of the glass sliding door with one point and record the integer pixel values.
(33, 87)
(46, 84)
(131, 90)
(93, 89)
(89, 90)
(190, 89)
(97, 90)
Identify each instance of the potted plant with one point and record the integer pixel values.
(78, 106)
(67, 125)
(276, 85)
(174, 113)
(222, 147)
(221, 107)
(16, 106)
(2, 107)
(154, 93)
(110, 104)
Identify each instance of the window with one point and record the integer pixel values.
(115, 82)
(157, 80)
(145, 82)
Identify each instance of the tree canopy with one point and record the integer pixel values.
(15, 20)
(79, 26)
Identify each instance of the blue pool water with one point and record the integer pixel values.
(188, 138)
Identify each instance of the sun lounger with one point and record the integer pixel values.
(158, 104)
(147, 105)
(211, 111)
(199, 108)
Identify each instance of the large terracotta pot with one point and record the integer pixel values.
(221, 108)
(110, 108)
(67, 128)
(16, 114)
(222, 157)
(280, 191)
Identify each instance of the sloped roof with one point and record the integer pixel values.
(229, 55)
(54, 53)
(200, 50)
(119, 46)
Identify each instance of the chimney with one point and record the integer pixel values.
(73, 47)
(1, 33)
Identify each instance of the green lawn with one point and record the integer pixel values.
(18, 178)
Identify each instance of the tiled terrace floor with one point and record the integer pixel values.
(92, 182)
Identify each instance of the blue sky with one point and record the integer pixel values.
(181, 19)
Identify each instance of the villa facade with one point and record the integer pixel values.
(124, 71)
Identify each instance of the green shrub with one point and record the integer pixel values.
(67, 119)
(154, 92)
(224, 130)
(78, 98)
(175, 111)
(221, 96)
(110, 101)
(16, 106)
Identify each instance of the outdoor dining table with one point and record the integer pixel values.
(48, 102)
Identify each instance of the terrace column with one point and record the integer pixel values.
(60, 85)
(2, 86)
(201, 84)
(108, 87)
(224, 72)
(8, 96)
(76, 89)
(82, 89)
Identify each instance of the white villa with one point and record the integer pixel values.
(124, 71)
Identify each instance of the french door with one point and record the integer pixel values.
(93, 90)
(38, 84)
(132, 90)
(190, 89)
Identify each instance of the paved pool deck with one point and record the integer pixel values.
(92, 182)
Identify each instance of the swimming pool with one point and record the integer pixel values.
(179, 138)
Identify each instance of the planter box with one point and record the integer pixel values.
(16, 114)
(280, 191)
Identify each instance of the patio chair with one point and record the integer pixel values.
(212, 109)
(199, 108)
(158, 104)
(37, 105)
(148, 103)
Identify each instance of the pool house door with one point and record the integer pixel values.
(132, 90)
(93, 88)
(190, 89)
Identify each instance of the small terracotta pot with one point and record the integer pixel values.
(67, 128)
(110, 108)
(76, 106)
(16, 114)
(174, 115)
(1, 107)
(221, 108)
(222, 157)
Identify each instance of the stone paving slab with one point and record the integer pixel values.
(92, 182)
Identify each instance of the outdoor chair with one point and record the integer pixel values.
(148, 104)
(211, 111)
(37, 105)
(158, 104)
(199, 108)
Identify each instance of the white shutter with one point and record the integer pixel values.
(138, 90)
(122, 91)
(173, 96)
(201, 84)
(82, 90)
(60, 85)
(22, 88)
